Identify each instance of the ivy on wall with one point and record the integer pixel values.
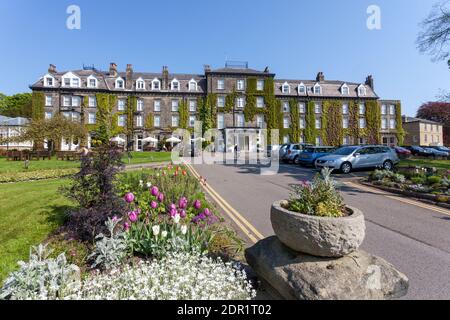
(399, 124)
(183, 111)
(106, 122)
(310, 130)
(332, 132)
(353, 125)
(373, 122)
(131, 109)
(37, 105)
(295, 133)
(149, 123)
(273, 112)
(250, 109)
(230, 101)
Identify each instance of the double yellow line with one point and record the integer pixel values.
(247, 228)
(408, 201)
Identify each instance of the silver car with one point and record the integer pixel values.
(358, 157)
(291, 154)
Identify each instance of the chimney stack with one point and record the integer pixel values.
(320, 77)
(165, 78)
(129, 77)
(207, 68)
(52, 68)
(369, 82)
(266, 70)
(113, 69)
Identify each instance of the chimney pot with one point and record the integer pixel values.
(370, 82)
(52, 68)
(165, 78)
(320, 77)
(113, 69)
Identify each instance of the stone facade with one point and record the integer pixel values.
(421, 132)
(158, 94)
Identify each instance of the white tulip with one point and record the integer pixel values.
(184, 229)
(164, 234)
(149, 184)
(176, 218)
(155, 230)
(141, 183)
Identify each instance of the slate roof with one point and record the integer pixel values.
(412, 119)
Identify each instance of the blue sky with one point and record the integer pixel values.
(296, 39)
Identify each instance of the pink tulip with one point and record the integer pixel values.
(183, 213)
(129, 197)
(207, 212)
(154, 204)
(132, 216)
(173, 212)
(126, 226)
(154, 191)
(160, 197)
(183, 203)
(197, 204)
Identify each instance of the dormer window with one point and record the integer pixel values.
(192, 85)
(91, 82)
(345, 90)
(301, 88)
(120, 84)
(175, 85)
(362, 90)
(140, 84)
(286, 88)
(156, 84)
(317, 89)
(49, 81)
(70, 80)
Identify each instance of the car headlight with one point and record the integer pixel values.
(331, 161)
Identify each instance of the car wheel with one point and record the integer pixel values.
(388, 165)
(297, 160)
(346, 168)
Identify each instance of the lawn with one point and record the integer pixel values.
(29, 212)
(137, 158)
(443, 164)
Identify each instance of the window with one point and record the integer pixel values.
(301, 107)
(220, 102)
(240, 85)
(302, 123)
(156, 84)
(346, 141)
(157, 105)
(120, 84)
(121, 105)
(49, 81)
(175, 85)
(192, 85)
(318, 124)
(240, 102)
(362, 109)
(345, 90)
(286, 139)
(259, 102)
(345, 123)
(140, 84)
(138, 121)
(220, 121)
(301, 88)
(91, 118)
(48, 115)
(362, 91)
(66, 101)
(221, 84)
(286, 123)
(191, 121)
(426, 137)
(240, 120)
(48, 101)
(75, 82)
(317, 108)
(91, 82)
(140, 105)
(260, 121)
(286, 106)
(192, 105)
(66, 82)
(317, 89)
(260, 85)
(174, 105)
(92, 102)
(362, 123)
(175, 121)
(345, 108)
(76, 101)
(157, 121)
(121, 121)
(286, 88)
(392, 124)
(392, 109)
(383, 109)
(318, 141)
(384, 123)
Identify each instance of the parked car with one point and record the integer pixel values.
(419, 151)
(274, 148)
(309, 156)
(445, 149)
(292, 152)
(402, 153)
(358, 157)
(437, 153)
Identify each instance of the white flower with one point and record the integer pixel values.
(155, 230)
(183, 229)
(176, 218)
(141, 183)
(149, 184)
(164, 234)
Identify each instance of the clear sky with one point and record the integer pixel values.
(296, 39)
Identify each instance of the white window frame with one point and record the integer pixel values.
(240, 84)
(240, 117)
(345, 108)
(286, 122)
(259, 120)
(345, 123)
(220, 84)
(92, 118)
(157, 105)
(220, 121)
(92, 101)
(301, 88)
(139, 121)
(240, 102)
(302, 123)
(318, 123)
(286, 106)
(172, 85)
(91, 77)
(362, 123)
(317, 108)
(384, 123)
(175, 124)
(48, 115)
(67, 101)
(362, 90)
(362, 109)
(317, 85)
(156, 88)
(301, 107)
(384, 109)
(175, 105)
(285, 86)
(260, 102)
(260, 85)
(121, 120)
(48, 101)
(157, 121)
(116, 83)
(221, 101)
(139, 105)
(345, 90)
(192, 82)
(392, 124)
(76, 101)
(46, 78)
(71, 77)
(392, 109)
(192, 105)
(192, 120)
(121, 104)
(140, 84)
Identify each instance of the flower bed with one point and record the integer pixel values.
(36, 175)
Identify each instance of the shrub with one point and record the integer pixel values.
(76, 252)
(110, 251)
(36, 175)
(434, 180)
(179, 276)
(380, 175)
(418, 180)
(41, 278)
(443, 199)
(319, 198)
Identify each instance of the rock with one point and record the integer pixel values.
(318, 236)
(297, 276)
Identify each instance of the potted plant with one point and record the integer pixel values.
(316, 221)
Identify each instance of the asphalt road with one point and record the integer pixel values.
(414, 239)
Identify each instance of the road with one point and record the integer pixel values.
(415, 238)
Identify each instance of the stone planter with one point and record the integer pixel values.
(318, 236)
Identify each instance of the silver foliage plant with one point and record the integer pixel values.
(42, 278)
(110, 251)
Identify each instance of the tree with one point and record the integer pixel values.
(435, 36)
(439, 112)
(18, 105)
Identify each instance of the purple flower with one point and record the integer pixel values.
(173, 212)
(126, 226)
(154, 204)
(132, 216)
(129, 197)
(207, 212)
(172, 207)
(183, 203)
(115, 219)
(197, 204)
(154, 191)
(202, 216)
(183, 213)
(160, 197)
